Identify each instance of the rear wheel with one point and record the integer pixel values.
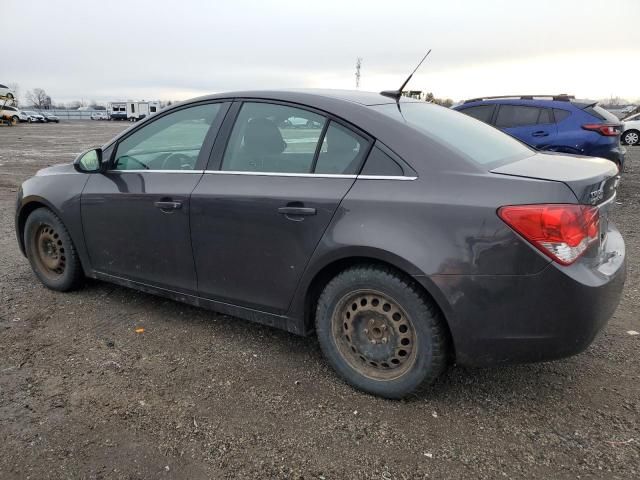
(51, 252)
(15, 120)
(631, 137)
(380, 333)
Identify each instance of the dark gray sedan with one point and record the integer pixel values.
(406, 235)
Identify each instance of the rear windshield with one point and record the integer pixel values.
(479, 142)
(599, 112)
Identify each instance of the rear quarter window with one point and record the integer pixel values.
(601, 114)
(475, 140)
(561, 114)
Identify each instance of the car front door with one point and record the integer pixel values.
(533, 125)
(135, 216)
(266, 200)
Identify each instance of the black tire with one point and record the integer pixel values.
(631, 137)
(346, 344)
(51, 252)
(15, 120)
(9, 95)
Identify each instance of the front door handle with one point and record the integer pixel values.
(540, 133)
(168, 205)
(297, 211)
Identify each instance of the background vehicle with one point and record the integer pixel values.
(99, 116)
(403, 233)
(139, 110)
(117, 110)
(557, 123)
(631, 130)
(48, 117)
(6, 92)
(12, 114)
(35, 117)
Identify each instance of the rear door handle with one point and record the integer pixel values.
(168, 205)
(296, 211)
(540, 133)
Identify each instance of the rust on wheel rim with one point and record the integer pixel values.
(50, 255)
(374, 335)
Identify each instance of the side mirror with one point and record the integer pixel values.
(89, 161)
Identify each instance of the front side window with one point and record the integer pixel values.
(273, 138)
(172, 142)
(510, 116)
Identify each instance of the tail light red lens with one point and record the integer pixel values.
(603, 129)
(563, 232)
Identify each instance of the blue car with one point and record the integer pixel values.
(557, 123)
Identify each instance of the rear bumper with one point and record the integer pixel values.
(553, 314)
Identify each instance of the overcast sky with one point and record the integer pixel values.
(174, 50)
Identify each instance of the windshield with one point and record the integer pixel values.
(479, 142)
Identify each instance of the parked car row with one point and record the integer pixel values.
(556, 123)
(15, 115)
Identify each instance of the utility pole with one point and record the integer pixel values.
(358, 65)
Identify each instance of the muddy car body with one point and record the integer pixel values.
(394, 230)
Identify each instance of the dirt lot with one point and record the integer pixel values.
(200, 395)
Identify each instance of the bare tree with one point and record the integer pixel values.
(39, 98)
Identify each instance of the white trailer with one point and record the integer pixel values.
(117, 110)
(139, 110)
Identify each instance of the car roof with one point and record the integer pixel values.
(311, 96)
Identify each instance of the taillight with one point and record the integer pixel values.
(603, 129)
(561, 231)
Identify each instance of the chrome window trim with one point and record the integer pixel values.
(155, 171)
(272, 174)
(309, 175)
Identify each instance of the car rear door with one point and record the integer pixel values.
(533, 125)
(135, 216)
(267, 198)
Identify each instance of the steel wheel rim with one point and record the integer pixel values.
(631, 138)
(49, 252)
(374, 335)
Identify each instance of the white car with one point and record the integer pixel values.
(99, 116)
(6, 92)
(631, 130)
(34, 116)
(13, 114)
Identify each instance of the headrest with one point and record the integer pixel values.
(263, 136)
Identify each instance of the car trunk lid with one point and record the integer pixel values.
(592, 180)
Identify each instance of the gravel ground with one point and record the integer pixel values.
(201, 395)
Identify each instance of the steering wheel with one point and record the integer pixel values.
(177, 161)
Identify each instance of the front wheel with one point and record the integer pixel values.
(15, 120)
(380, 332)
(631, 137)
(51, 252)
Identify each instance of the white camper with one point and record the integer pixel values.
(117, 110)
(139, 110)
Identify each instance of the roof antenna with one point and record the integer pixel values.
(398, 93)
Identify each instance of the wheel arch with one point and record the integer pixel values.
(316, 282)
(28, 206)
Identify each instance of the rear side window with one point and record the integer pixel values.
(273, 138)
(341, 152)
(516, 116)
(560, 114)
(545, 116)
(477, 141)
(480, 112)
